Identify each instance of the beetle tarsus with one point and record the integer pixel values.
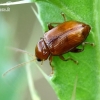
(64, 59)
(63, 15)
(76, 62)
(85, 43)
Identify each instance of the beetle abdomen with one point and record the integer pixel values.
(61, 39)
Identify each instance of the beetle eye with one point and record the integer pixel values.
(38, 59)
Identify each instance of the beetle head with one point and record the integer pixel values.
(41, 51)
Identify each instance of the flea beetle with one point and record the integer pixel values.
(63, 38)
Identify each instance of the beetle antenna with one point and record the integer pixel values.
(42, 62)
(20, 50)
(19, 65)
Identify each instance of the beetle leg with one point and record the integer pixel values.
(76, 50)
(84, 43)
(64, 59)
(63, 15)
(50, 60)
(42, 62)
(50, 25)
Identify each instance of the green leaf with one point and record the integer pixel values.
(71, 81)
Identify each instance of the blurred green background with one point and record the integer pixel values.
(20, 28)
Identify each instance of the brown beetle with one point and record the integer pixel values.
(59, 40)
(62, 39)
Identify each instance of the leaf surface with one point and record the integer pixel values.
(71, 81)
